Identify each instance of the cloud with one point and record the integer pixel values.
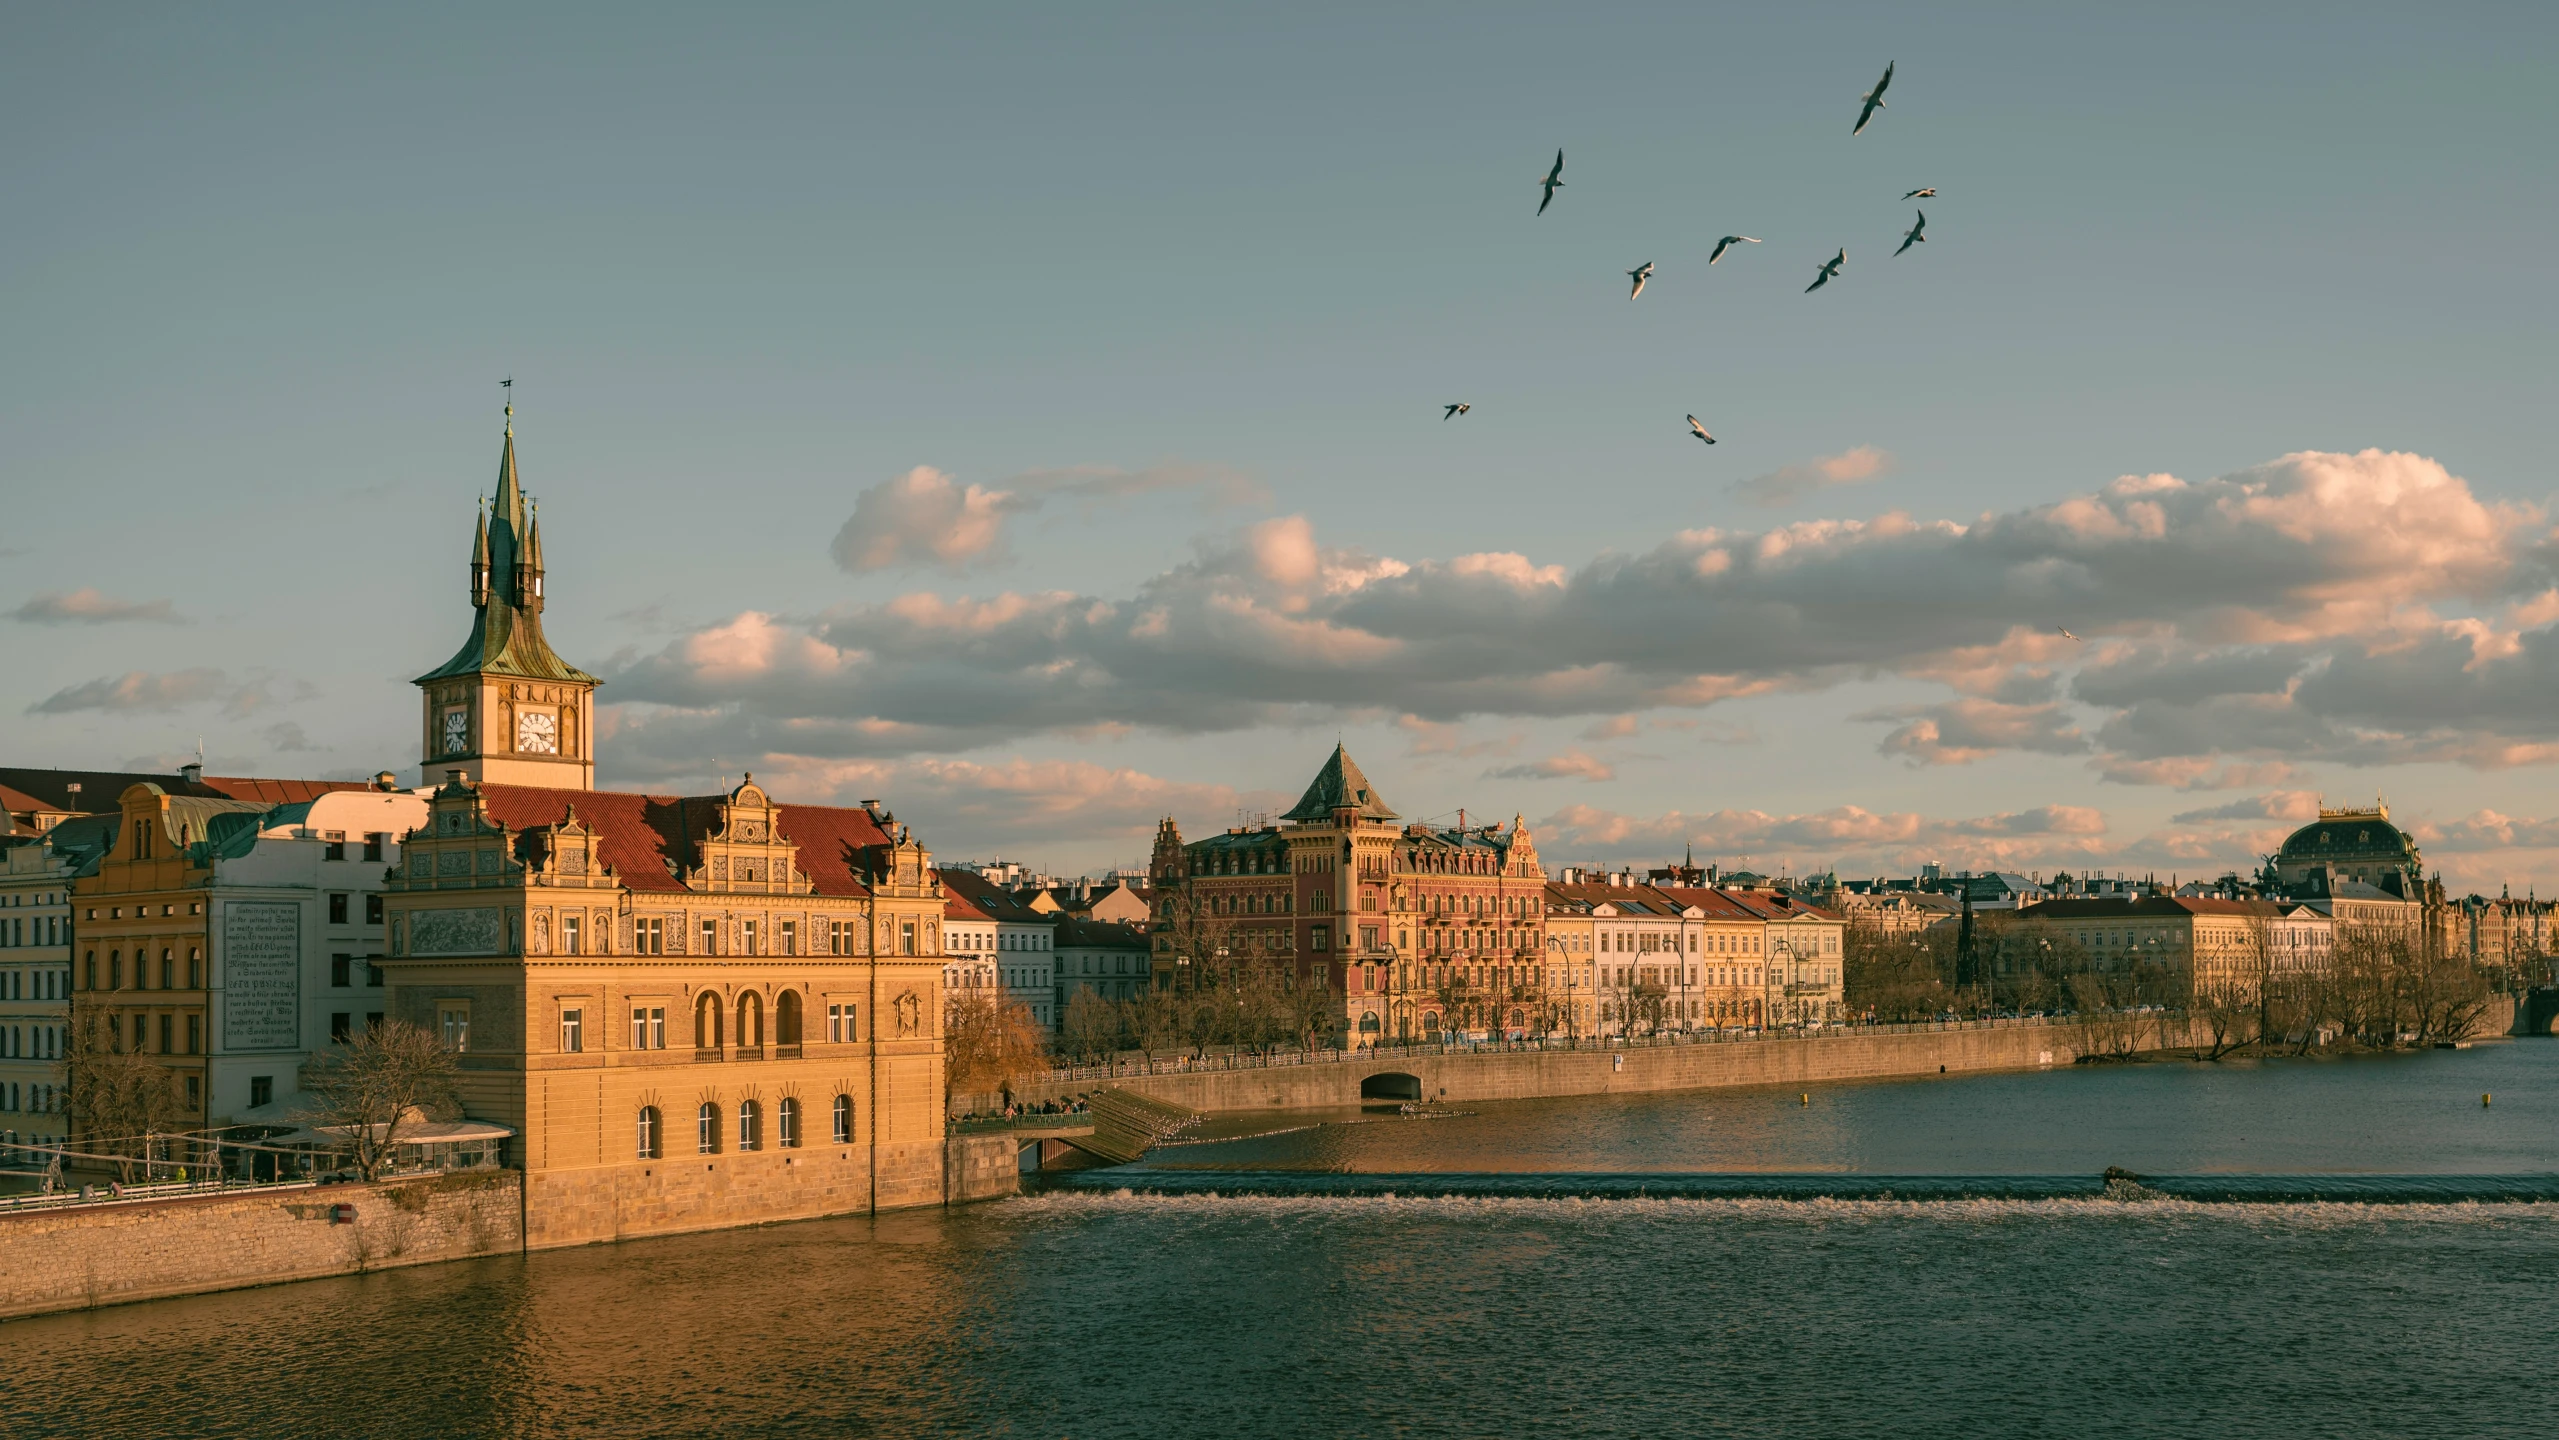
(2362, 608)
(90, 606)
(140, 692)
(925, 517)
(286, 735)
(2488, 830)
(1961, 731)
(1571, 765)
(1852, 837)
(2296, 807)
(1614, 727)
(1789, 483)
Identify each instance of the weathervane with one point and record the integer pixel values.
(508, 385)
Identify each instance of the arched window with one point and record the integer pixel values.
(652, 1141)
(706, 1129)
(786, 1018)
(750, 1020)
(786, 1123)
(843, 1119)
(750, 1126)
(706, 1022)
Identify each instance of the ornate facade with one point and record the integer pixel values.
(696, 1011)
(1415, 931)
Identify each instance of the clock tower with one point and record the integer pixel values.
(505, 708)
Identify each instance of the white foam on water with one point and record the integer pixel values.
(1080, 1205)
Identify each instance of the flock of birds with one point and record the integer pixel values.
(1868, 104)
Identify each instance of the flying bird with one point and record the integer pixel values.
(1874, 100)
(1829, 269)
(2065, 632)
(1924, 192)
(1727, 243)
(1639, 275)
(1699, 430)
(1460, 408)
(1553, 182)
(1915, 237)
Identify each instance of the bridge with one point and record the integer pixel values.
(1116, 1127)
(2538, 1012)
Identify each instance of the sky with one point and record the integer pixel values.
(1034, 416)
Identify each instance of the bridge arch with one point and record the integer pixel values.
(1390, 1085)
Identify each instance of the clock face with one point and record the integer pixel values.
(537, 732)
(457, 731)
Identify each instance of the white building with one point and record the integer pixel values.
(968, 948)
(1025, 959)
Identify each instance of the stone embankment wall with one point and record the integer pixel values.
(103, 1254)
(1457, 1076)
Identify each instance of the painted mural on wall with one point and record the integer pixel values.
(453, 932)
(261, 975)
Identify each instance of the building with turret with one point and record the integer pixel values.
(1413, 931)
(694, 1011)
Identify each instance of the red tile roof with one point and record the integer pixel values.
(956, 906)
(641, 834)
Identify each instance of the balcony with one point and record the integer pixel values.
(750, 1052)
(788, 1051)
(707, 1054)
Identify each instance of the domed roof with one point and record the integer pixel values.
(2350, 834)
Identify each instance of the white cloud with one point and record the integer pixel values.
(2359, 608)
(140, 692)
(1789, 483)
(925, 517)
(1571, 765)
(1856, 839)
(91, 606)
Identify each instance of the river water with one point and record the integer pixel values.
(1916, 1259)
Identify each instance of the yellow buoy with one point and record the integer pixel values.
(1807, 1099)
(2483, 1102)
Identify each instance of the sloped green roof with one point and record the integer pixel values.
(1340, 785)
(506, 640)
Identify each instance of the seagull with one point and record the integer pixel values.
(1915, 237)
(1460, 408)
(1639, 275)
(1699, 430)
(1828, 270)
(1874, 99)
(1924, 192)
(2065, 632)
(1727, 243)
(1553, 182)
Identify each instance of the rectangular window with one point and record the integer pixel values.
(341, 1025)
(840, 1026)
(649, 937)
(1319, 939)
(790, 937)
(374, 842)
(710, 937)
(572, 931)
(168, 1024)
(337, 907)
(906, 937)
(195, 1034)
(372, 909)
(339, 966)
(373, 971)
(333, 845)
(572, 1031)
(454, 1023)
(747, 938)
(261, 1090)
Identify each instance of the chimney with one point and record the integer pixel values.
(192, 772)
(386, 782)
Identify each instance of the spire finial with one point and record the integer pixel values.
(508, 385)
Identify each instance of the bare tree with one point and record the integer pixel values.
(119, 1099)
(1090, 1028)
(989, 1043)
(373, 1084)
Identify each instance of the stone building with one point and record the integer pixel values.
(695, 1011)
(1412, 930)
(2203, 948)
(37, 868)
(1103, 956)
(2365, 873)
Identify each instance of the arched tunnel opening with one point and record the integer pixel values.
(1391, 1085)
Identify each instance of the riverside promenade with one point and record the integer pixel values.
(1528, 1070)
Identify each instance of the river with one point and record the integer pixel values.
(1914, 1259)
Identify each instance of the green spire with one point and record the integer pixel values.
(1338, 786)
(506, 634)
